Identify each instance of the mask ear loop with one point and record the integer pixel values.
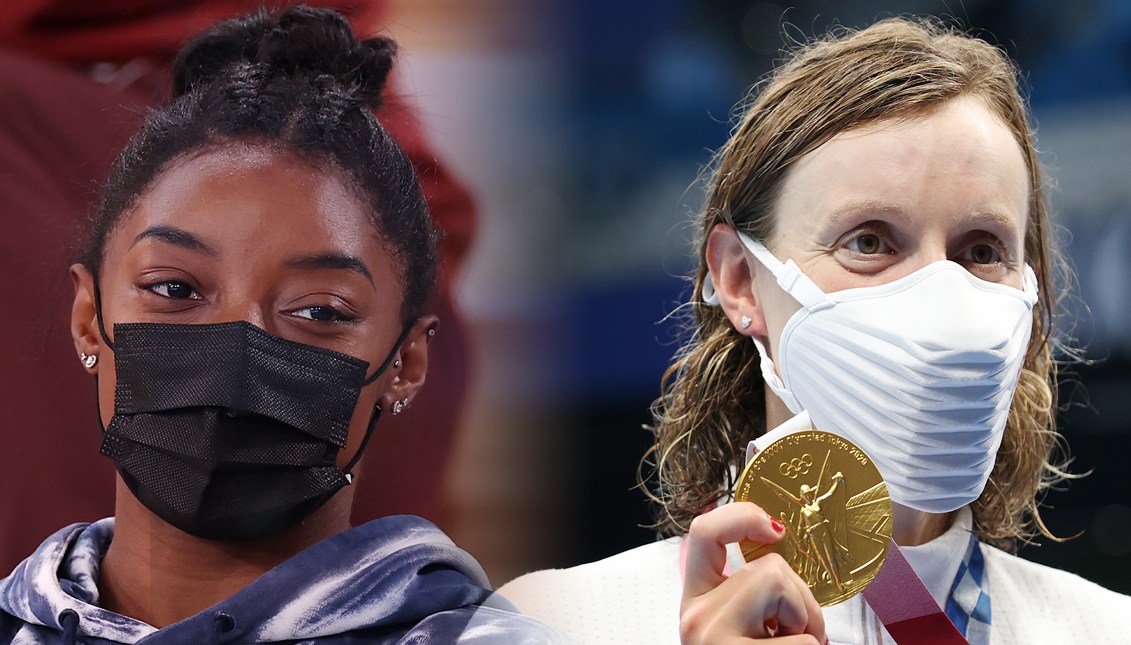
(392, 355)
(789, 276)
(377, 409)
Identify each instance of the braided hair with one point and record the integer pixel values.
(297, 79)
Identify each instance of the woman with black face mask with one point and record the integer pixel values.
(250, 301)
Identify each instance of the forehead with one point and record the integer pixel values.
(957, 159)
(245, 192)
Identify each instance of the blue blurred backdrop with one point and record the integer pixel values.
(605, 114)
(652, 85)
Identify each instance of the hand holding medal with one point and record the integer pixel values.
(765, 599)
(831, 504)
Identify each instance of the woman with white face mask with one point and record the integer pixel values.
(875, 261)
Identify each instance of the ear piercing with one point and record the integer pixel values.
(397, 363)
(745, 322)
(88, 360)
(399, 406)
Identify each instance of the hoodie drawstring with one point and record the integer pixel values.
(69, 621)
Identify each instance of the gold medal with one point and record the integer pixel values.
(834, 506)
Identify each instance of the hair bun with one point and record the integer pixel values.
(299, 41)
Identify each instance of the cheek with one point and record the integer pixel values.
(107, 380)
(777, 307)
(830, 276)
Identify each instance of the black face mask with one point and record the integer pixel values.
(228, 432)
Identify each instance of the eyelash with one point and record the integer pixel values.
(879, 232)
(336, 314)
(1003, 254)
(153, 286)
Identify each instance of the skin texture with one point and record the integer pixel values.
(252, 211)
(871, 206)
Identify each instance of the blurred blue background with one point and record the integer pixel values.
(606, 114)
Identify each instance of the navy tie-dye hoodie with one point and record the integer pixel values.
(397, 580)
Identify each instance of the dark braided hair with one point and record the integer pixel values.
(300, 80)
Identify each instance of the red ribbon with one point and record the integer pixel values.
(905, 607)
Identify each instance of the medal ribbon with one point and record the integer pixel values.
(902, 603)
(969, 604)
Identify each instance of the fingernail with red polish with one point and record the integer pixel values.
(778, 526)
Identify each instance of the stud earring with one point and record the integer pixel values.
(88, 360)
(431, 332)
(397, 363)
(399, 406)
(745, 322)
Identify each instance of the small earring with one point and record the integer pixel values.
(399, 406)
(88, 360)
(745, 322)
(431, 332)
(397, 363)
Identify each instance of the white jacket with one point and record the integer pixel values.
(634, 597)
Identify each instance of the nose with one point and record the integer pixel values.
(930, 249)
(243, 310)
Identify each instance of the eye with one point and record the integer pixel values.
(983, 254)
(172, 289)
(868, 244)
(322, 313)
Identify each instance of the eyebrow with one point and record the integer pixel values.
(176, 237)
(859, 210)
(330, 261)
(992, 218)
(855, 214)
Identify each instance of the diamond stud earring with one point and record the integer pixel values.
(745, 322)
(88, 360)
(399, 406)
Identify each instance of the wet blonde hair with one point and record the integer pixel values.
(713, 400)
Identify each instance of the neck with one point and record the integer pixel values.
(912, 528)
(909, 526)
(159, 575)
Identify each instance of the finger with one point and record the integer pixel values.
(803, 614)
(816, 620)
(766, 591)
(708, 537)
(701, 624)
(797, 639)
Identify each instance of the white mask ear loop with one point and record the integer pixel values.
(788, 274)
(798, 285)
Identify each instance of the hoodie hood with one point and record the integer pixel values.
(397, 579)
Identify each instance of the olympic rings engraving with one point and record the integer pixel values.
(796, 466)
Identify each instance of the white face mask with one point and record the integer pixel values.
(919, 372)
